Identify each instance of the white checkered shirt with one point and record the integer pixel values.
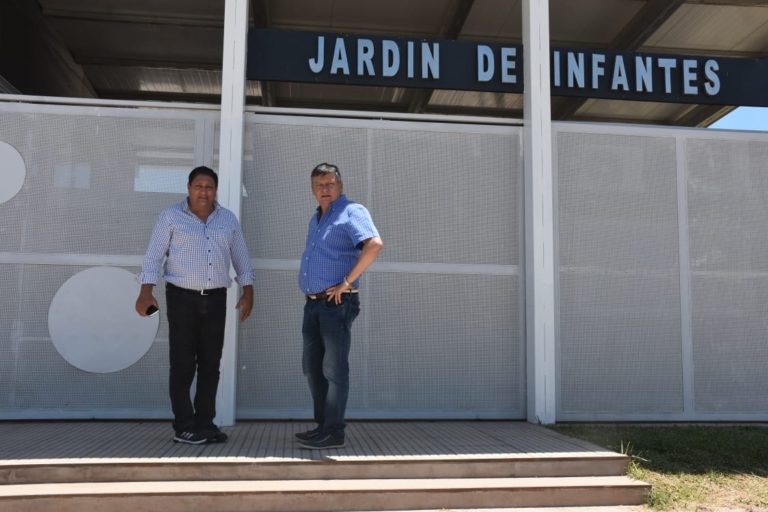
(197, 254)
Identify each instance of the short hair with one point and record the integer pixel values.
(324, 169)
(205, 171)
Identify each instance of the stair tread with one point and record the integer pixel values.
(330, 460)
(296, 486)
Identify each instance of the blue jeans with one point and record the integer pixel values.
(325, 361)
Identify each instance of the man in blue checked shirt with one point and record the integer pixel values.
(342, 243)
(198, 239)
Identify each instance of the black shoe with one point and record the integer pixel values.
(309, 434)
(322, 441)
(189, 437)
(212, 434)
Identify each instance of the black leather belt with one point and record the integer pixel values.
(203, 292)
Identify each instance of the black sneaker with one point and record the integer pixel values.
(189, 437)
(309, 434)
(322, 441)
(213, 434)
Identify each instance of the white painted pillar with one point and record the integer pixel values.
(230, 180)
(539, 216)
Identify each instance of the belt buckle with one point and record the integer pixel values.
(202, 292)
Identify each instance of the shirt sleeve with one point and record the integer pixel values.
(159, 243)
(240, 259)
(361, 225)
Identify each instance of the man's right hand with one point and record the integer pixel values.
(145, 299)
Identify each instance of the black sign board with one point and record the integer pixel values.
(355, 59)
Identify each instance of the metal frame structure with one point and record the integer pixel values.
(541, 251)
(680, 135)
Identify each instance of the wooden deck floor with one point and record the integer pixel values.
(109, 441)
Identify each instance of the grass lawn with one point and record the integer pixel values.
(702, 468)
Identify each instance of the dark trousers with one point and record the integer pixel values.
(196, 338)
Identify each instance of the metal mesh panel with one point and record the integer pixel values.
(440, 332)
(416, 344)
(727, 190)
(96, 180)
(35, 378)
(81, 180)
(443, 344)
(619, 345)
(279, 199)
(457, 194)
(270, 382)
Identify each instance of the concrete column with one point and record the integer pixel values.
(230, 180)
(541, 329)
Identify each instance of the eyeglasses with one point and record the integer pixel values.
(325, 168)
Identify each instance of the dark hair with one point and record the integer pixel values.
(205, 171)
(324, 169)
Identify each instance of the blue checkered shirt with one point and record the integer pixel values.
(333, 245)
(197, 254)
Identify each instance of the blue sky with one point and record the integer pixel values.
(744, 118)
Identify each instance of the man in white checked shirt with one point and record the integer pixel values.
(342, 242)
(198, 239)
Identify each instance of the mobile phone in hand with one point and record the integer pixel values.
(152, 310)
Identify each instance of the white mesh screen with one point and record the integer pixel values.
(35, 379)
(84, 203)
(728, 210)
(439, 332)
(81, 178)
(448, 197)
(270, 381)
(619, 350)
(442, 345)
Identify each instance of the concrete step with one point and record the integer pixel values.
(135, 470)
(324, 495)
(611, 508)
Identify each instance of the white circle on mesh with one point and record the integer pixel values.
(14, 171)
(93, 323)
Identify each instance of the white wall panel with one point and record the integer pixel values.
(728, 213)
(642, 334)
(439, 334)
(620, 322)
(96, 180)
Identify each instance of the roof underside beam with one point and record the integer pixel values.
(260, 17)
(647, 21)
(37, 62)
(451, 30)
(739, 3)
(703, 115)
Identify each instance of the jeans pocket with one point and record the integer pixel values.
(330, 304)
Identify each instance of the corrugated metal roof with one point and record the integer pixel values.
(171, 50)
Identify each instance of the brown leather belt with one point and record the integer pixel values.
(326, 295)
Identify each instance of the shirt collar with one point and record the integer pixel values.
(340, 201)
(185, 206)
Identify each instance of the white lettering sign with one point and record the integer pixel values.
(619, 75)
(420, 60)
(340, 62)
(485, 63)
(712, 85)
(391, 58)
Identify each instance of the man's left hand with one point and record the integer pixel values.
(334, 292)
(245, 304)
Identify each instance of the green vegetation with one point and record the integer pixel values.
(690, 467)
